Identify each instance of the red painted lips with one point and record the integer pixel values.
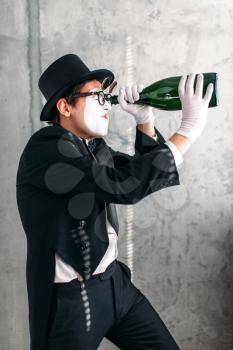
(105, 116)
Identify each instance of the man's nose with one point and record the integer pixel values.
(107, 106)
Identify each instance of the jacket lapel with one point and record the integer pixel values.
(102, 154)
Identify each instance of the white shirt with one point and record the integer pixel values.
(65, 272)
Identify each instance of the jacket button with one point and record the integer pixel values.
(82, 223)
(81, 232)
(86, 269)
(84, 245)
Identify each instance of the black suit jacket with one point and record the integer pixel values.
(60, 189)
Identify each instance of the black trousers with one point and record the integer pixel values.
(111, 307)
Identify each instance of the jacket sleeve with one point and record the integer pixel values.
(143, 144)
(60, 169)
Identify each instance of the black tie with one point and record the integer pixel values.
(91, 145)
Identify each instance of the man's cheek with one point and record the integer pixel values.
(93, 108)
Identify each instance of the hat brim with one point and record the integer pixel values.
(98, 74)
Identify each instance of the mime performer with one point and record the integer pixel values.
(69, 181)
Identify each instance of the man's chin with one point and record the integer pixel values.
(101, 134)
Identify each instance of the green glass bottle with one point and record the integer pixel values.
(163, 94)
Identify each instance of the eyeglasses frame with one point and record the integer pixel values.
(90, 93)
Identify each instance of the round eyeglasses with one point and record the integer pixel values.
(102, 97)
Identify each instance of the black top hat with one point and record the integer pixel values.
(62, 75)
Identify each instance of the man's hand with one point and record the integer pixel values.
(194, 107)
(142, 114)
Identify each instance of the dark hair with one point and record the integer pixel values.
(69, 96)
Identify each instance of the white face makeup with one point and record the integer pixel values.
(96, 116)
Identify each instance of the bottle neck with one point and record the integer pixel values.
(114, 100)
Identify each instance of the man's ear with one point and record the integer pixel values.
(63, 107)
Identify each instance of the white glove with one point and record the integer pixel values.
(142, 113)
(194, 107)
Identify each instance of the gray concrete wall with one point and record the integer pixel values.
(182, 237)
